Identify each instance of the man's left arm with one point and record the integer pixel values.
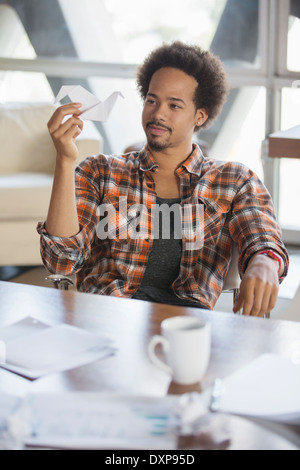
(263, 258)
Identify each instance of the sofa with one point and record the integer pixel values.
(27, 160)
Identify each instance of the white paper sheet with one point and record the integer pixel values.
(92, 108)
(34, 349)
(100, 421)
(267, 388)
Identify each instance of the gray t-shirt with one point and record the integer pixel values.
(164, 260)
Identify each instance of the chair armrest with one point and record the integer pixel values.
(233, 279)
(60, 281)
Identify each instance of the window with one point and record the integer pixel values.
(293, 41)
(288, 86)
(289, 193)
(98, 44)
(239, 131)
(117, 31)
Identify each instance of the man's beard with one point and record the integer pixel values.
(157, 146)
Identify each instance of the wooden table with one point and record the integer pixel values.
(236, 341)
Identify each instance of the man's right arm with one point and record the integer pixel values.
(62, 219)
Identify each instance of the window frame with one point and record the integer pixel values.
(272, 74)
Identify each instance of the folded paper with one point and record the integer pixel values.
(92, 108)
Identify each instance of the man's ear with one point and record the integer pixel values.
(200, 117)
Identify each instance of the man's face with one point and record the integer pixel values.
(169, 115)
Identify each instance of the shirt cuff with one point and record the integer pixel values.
(274, 256)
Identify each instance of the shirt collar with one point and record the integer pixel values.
(192, 164)
(147, 163)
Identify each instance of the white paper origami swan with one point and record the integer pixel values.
(92, 109)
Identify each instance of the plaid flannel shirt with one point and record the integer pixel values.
(237, 209)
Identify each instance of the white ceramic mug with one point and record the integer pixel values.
(186, 345)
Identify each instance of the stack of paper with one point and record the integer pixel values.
(82, 420)
(100, 421)
(268, 388)
(33, 348)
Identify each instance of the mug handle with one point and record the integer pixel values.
(154, 341)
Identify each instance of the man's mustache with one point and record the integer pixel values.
(158, 124)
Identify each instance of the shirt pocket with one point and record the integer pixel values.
(215, 215)
(125, 226)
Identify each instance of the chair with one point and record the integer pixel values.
(27, 160)
(60, 281)
(231, 283)
(233, 280)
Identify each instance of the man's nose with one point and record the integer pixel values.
(160, 112)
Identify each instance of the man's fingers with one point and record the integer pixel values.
(245, 300)
(72, 132)
(60, 113)
(265, 297)
(64, 128)
(250, 298)
(238, 305)
(269, 300)
(256, 299)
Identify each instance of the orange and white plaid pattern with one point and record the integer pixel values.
(236, 208)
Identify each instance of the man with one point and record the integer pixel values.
(184, 89)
